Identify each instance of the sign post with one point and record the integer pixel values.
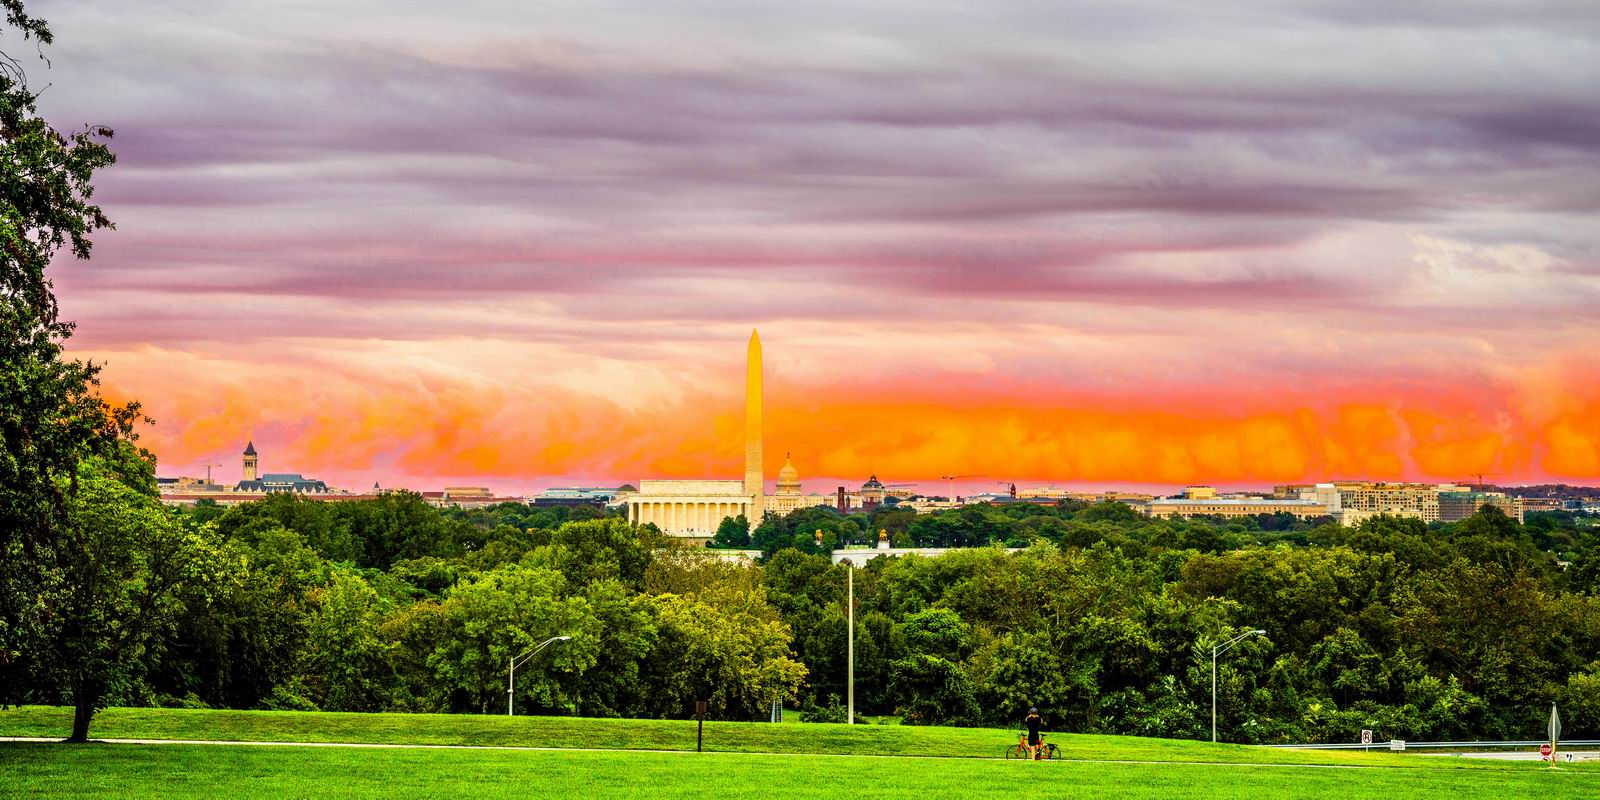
(1549, 751)
(700, 729)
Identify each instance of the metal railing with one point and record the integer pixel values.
(1384, 745)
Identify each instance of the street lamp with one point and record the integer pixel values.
(511, 679)
(1217, 650)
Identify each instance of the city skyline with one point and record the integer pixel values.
(1237, 246)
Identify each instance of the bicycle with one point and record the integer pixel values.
(1020, 749)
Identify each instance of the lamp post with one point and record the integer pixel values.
(1217, 650)
(511, 678)
(850, 680)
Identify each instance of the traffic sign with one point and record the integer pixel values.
(1397, 745)
(1366, 736)
(1544, 752)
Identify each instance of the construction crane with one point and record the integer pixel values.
(950, 482)
(208, 467)
(1479, 476)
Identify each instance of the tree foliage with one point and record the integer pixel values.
(1102, 619)
(52, 416)
(130, 571)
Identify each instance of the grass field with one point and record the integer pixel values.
(635, 734)
(789, 761)
(239, 773)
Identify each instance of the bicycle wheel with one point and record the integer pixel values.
(1047, 751)
(1016, 751)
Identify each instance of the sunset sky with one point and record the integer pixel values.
(1144, 243)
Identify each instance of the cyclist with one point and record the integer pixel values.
(1033, 722)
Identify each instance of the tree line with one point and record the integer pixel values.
(1104, 618)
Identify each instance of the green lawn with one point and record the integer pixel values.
(620, 734)
(243, 772)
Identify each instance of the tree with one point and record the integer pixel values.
(52, 416)
(612, 686)
(319, 524)
(236, 650)
(930, 690)
(600, 549)
(732, 532)
(937, 632)
(927, 682)
(733, 654)
(500, 615)
(346, 660)
(397, 526)
(127, 569)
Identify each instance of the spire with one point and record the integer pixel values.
(249, 461)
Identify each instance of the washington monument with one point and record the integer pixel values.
(694, 508)
(753, 485)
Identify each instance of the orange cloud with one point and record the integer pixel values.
(419, 427)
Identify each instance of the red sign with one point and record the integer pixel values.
(1544, 752)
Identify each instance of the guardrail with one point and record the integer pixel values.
(1384, 745)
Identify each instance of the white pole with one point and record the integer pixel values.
(1215, 651)
(851, 658)
(511, 677)
(1213, 694)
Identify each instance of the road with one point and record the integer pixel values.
(223, 743)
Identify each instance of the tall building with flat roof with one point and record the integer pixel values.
(1235, 507)
(1401, 499)
(1457, 506)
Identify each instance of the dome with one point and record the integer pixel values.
(872, 483)
(788, 477)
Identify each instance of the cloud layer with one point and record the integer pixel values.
(1137, 242)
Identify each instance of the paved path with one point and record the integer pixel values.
(1526, 755)
(384, 746)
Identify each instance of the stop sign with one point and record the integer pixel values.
(1544, 752)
